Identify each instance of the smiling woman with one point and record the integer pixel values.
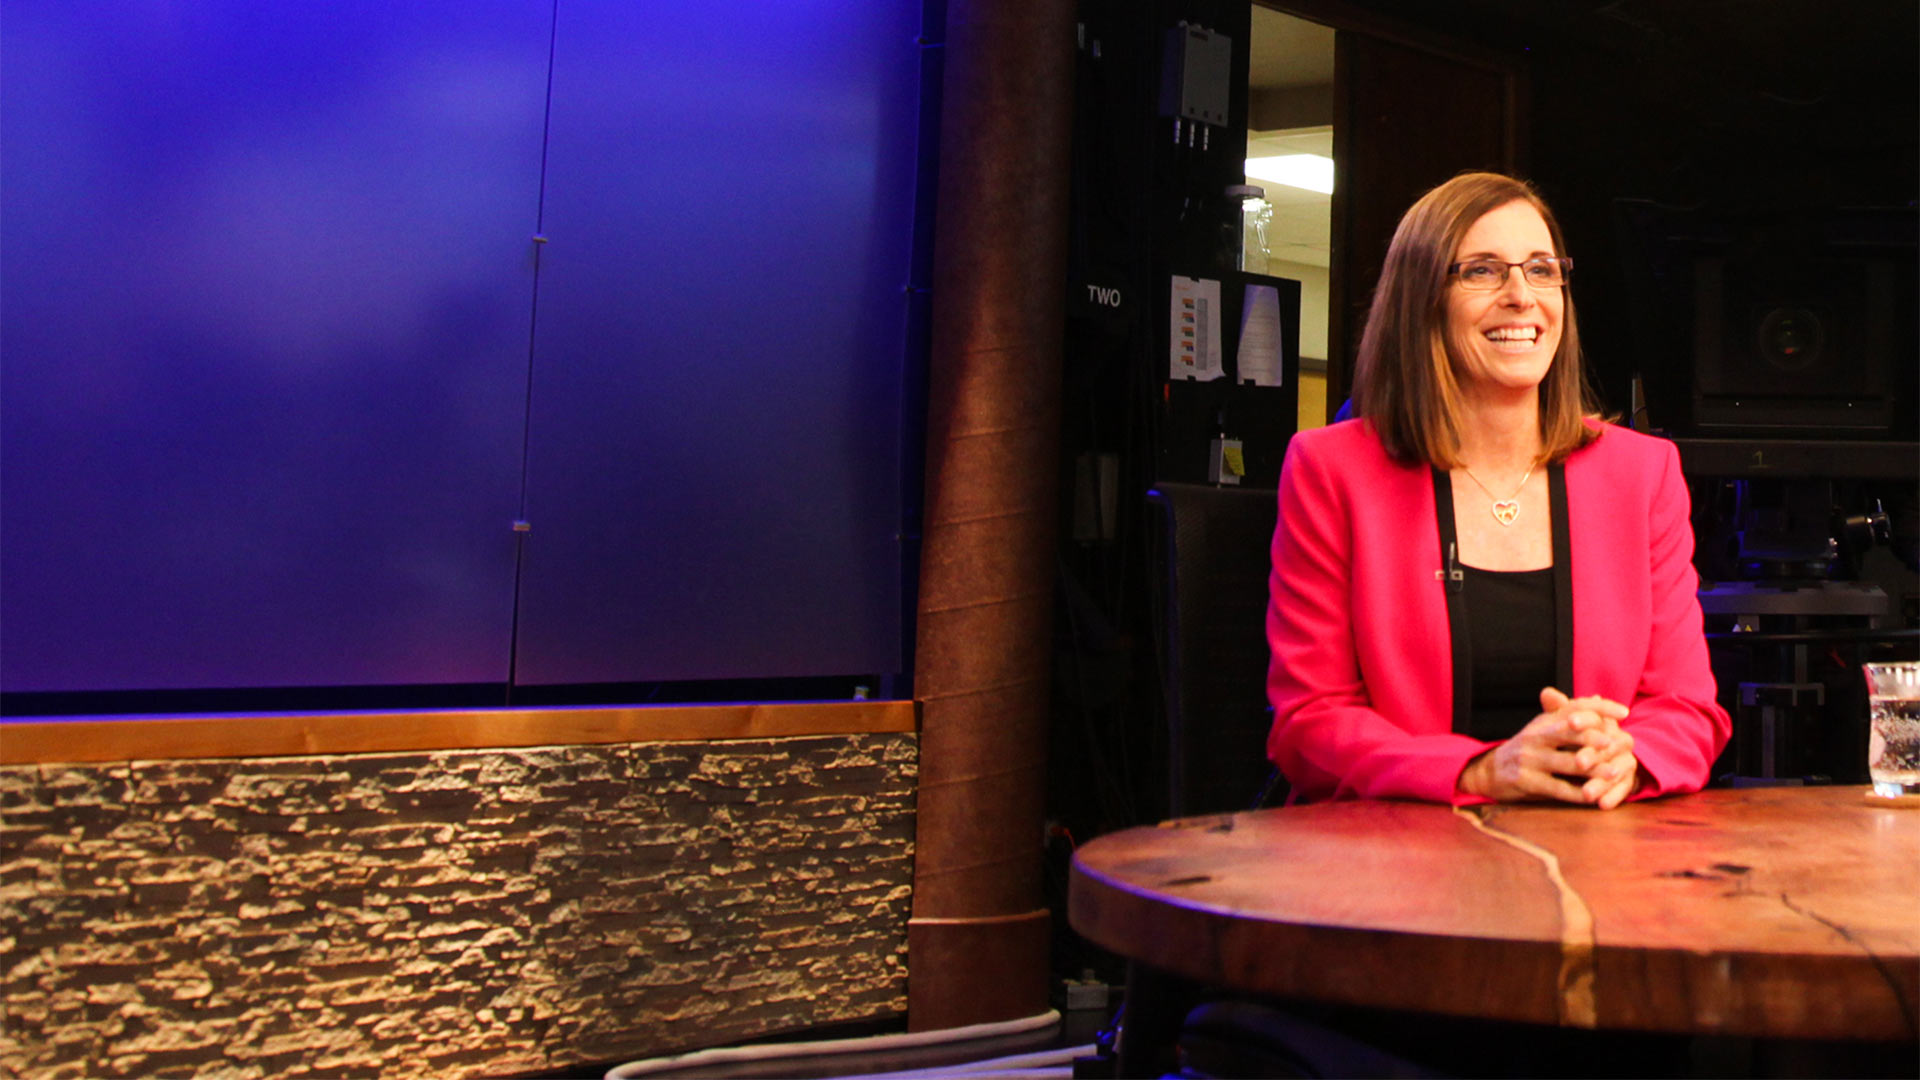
(1504, 328)
(1454, 664)
(1415, 370)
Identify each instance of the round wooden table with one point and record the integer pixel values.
(1790, 913)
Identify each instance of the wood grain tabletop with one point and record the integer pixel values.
(1785, 912)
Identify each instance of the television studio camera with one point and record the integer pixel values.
(1780, 351)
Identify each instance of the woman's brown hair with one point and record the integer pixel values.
(1404, 382)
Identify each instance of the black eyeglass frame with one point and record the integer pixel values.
(1563, 262)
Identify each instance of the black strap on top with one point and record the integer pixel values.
(1562, 578)
(1454, 581)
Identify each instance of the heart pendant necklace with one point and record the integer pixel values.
(1505, 511)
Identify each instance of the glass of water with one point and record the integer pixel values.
(1893, 747)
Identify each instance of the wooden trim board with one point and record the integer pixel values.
(247, 735)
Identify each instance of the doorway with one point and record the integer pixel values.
(1288, 233)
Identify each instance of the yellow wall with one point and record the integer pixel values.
(1313, 399)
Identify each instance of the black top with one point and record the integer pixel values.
(1536, 615)
(1512, 637)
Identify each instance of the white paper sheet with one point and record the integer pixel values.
(1258, 359)
(1193, 350)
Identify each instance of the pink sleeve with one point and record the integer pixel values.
(1678, 729)
(1329, 738)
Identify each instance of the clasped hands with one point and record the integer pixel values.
(1574, 751)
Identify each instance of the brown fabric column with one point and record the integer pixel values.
(977, 940)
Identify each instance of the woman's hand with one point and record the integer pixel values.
(1574, 751)
(1614, 772)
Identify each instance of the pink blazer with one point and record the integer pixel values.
(1361, 675)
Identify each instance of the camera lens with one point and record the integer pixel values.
(1791, 339)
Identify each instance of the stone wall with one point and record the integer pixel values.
(453, 913)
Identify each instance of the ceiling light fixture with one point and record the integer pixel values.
(1310, 172)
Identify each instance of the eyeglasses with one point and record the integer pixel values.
(1486, 275)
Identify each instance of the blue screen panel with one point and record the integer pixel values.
(265, 278)
(716, 413)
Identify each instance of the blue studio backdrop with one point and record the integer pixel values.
(490, 342)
